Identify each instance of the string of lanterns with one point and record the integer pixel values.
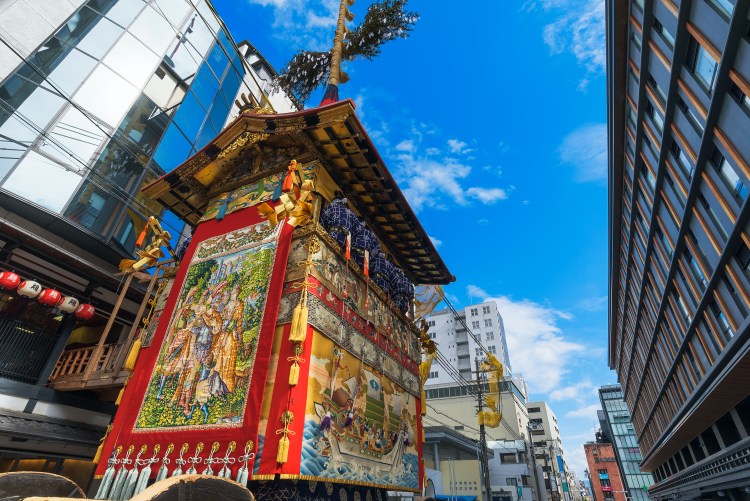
(49, 297)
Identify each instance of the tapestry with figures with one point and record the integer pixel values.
(203, 370)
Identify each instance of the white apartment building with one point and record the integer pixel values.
(457, 344)
(545, 435)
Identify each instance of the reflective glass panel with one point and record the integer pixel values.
(174, 10)
(705, 68)
(205, 86)
(218, 60)
(106, 95)
(74, 134)
(124, 11)
(219, 113)
(39, 110)
(71, 72)
(115, 176)
(101, 37)
(132, 60)
(153, 30)
(42, 181)
(172, 150)
(143, 127)
(190, 116)
(207, 134)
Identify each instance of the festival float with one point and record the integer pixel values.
(285, 353)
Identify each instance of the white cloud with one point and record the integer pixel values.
(406, 145)
(577, 391)
(477, 291)
(596, 303)
(586, 150)
(588, 411)
(487, 195)
(430, 180)
(302, 23)
(436, 242)
(536, 344)
(458, 147)
(579, 29)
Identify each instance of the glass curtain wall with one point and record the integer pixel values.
(626, 446)
(124, 91)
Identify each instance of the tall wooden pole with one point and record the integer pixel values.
(338, 44)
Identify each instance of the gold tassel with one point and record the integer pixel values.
(423, 403)
(283, 453)
(299, 323)
(98, 454)
(133, 355)
(122, 391)
(294, 374)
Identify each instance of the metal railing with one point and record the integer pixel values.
(24, 350)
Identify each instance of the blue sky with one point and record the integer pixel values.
(492, 119)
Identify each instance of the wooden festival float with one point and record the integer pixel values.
(285, 356)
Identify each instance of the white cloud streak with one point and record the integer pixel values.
(578, 29)
(537, 346)
(586, 150)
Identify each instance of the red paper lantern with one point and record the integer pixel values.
(49, 297)
(68, 304)
(9, 280)
(85, 312)
(29, 288)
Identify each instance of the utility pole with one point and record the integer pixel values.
(483, 436)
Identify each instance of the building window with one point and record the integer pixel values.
(682, 160)
(433, 374)
(702, 65)
(536, 409)
(723, 6)
(655, 86)
(635, 38)
(431, 323)
(690, 114)
(665, 34)
(632, 116)
(475, 324)
(695, 267)
(740, 96)
(485, 309)
(726, 329)
(490, 336)
(729, 175)
(477, 351)
(655, 116)
(492, 349)
(488, 322)
(474, 312)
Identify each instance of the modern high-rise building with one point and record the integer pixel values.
(97, 98)
(620, 430)
(460, 347)
(678, 81)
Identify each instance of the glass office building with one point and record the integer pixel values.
(620, 429)
(121, 93)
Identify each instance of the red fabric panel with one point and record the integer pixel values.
(285, 398)
(124, 421)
